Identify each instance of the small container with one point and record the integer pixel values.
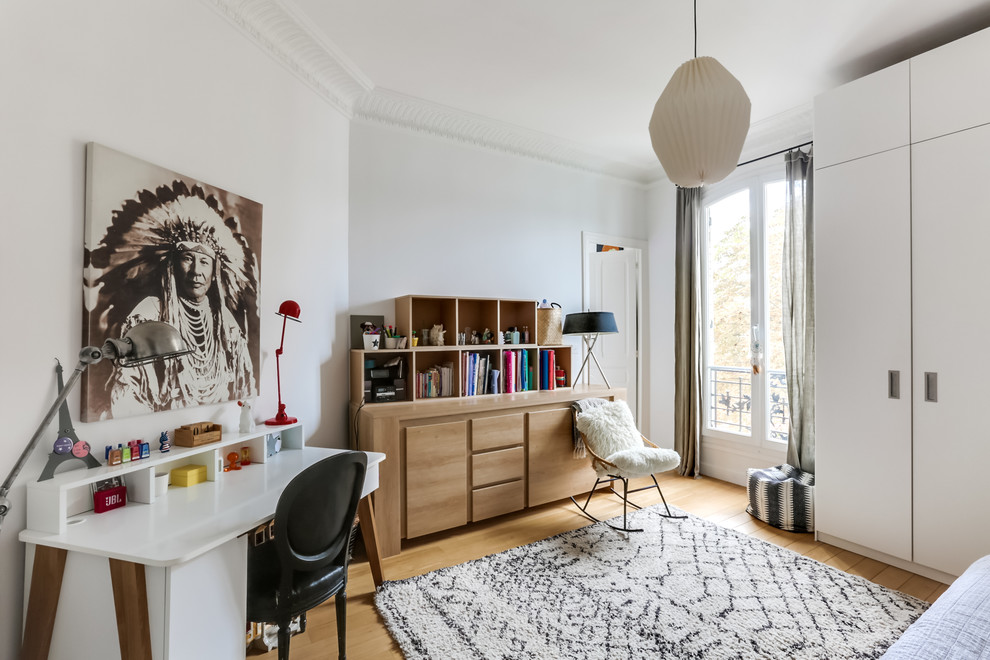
(391, 342)
(371, 342)
(161, 484)
(188, 475)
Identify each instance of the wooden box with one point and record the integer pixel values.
(194, 435)
(188, 475)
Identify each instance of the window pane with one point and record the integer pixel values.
(729, 302)
(774, 195)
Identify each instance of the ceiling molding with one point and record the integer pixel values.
(283, 32)
(393, 109)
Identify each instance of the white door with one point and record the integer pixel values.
(863, 344)
(614, 287)
(951, 224)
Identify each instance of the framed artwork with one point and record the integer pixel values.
(161, 246)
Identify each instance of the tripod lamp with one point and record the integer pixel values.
(590, 325)
(145, 342)
(287, 310)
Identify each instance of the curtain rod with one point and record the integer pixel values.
(776, 153)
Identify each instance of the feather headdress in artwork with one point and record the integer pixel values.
(135, 256)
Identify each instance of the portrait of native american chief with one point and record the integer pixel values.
(160, 246)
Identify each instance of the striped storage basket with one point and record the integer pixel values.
(782, 496)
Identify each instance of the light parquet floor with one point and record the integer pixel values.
(714, 500)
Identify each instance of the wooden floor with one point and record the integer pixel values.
(717, 501)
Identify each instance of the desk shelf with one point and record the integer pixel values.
(51, 503)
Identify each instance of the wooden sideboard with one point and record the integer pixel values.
(461, 460)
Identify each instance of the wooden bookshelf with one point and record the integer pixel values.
(370, 384)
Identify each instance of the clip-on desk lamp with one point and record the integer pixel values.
(590, 325)
(287, 310)
(145, 342)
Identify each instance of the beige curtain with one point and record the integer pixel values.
(799, 308)
(688, 368)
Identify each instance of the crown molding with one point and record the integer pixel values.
(283, 32)
(390, 108)
(286, 34)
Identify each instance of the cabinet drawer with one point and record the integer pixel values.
(494, 466)
(494, 432)
(496, 500)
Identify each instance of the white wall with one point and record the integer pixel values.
(175, 84)
(432, 217)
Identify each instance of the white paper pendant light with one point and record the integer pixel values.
(700, 122)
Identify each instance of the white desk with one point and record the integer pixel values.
(177, 565)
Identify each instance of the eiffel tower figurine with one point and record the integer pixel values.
(68, 446)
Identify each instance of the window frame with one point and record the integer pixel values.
(755, 179)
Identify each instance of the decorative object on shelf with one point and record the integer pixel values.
(163, 246)
(701, 101)
(67, 446)
(145, 342)
(233, 462)
(414, 339)
(187, 475)
(590, 325)
(436, 335)
(163, 443)
(424, 337)
(287, 310)
(109, 494)
(273, 444)
(200, 433)
(548, 317)
(246, 424)
(363, 324)
(372, 342)
(245, 455)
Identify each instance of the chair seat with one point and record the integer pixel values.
(308, 591)
(639, 462)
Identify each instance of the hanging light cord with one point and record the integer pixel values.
(695, 29)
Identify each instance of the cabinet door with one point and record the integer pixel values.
(863, 331)
(951, 334)
(554, 473)
(950, 88)
(436, 477)
(863, 117)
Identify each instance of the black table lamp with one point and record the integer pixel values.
(590, 325)
(145, 342)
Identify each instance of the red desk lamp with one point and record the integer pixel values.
(287, 310)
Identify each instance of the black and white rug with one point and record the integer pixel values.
(680, 589)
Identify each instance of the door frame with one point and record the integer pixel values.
(589, 241)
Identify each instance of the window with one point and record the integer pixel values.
(742, 262)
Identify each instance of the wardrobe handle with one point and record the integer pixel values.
(931, 386)
(893, 384)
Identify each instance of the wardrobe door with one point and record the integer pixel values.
(951, 215)
(863, 343)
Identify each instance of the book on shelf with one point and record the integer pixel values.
(435, 381)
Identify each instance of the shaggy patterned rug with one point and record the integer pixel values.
(680, 589)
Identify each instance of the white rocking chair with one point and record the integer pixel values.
(619, 452)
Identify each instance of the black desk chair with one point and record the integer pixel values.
(306, 563)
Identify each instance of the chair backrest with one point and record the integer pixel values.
(609, 428)
(316, 511)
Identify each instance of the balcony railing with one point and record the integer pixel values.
(730, 401)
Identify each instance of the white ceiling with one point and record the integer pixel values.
(588, 72)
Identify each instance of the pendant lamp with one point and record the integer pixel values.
(700, 121)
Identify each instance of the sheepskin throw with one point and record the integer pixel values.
(612, 434)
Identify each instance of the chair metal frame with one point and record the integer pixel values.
(610, 478)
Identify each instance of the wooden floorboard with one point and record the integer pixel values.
(717, 501)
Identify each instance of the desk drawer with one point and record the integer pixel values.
(495, 466)
(496, 500)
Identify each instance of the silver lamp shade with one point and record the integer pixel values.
(699, 123)
(145, 342)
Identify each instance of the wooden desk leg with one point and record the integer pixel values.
(46, 585)
(369, 534)
(130, 600)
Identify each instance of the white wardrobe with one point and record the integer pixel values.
(902, 231)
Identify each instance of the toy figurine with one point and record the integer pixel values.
(164, 445)
(247, 423)
(436, 335)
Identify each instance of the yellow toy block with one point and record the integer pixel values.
(188, 475)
